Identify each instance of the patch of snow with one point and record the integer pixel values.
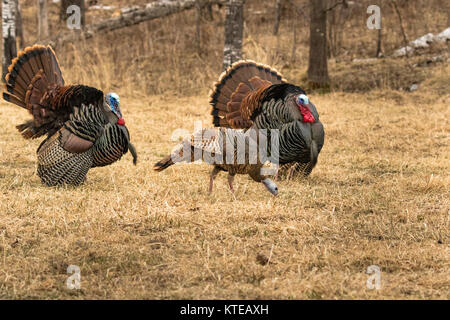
(444, 35)
(101, 7)
(423, 41)
(363, 60)
(402, 51)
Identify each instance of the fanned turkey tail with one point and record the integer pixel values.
(244, 81)
(30, 75)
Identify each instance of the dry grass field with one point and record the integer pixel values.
(379, 196)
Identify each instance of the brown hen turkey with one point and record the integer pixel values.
(227, 150)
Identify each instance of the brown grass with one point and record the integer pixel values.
(380, 195)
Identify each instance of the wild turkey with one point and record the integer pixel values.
(253, 95)
(84, 127)
(210, 145)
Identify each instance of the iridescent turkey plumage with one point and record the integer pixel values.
(82, 129)
(253, 95)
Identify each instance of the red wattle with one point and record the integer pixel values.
(307, 115)
(121, 122)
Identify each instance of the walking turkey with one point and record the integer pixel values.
(226, 150)
(253, 95)
(84, 127)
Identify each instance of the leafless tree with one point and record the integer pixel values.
(203, 11)
(208, 14)
(9, 34)
(19, 26)
(42, 20)
(400, 20)
(335, 24)
(198, 21)
(379, 52)
(278, 13)
(234, 30)
(318, 62)
(294, 38)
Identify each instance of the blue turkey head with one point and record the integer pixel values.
(113, 102)
(304, 106)
(302, 99)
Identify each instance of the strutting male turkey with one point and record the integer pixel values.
(84, 127)
(253, 95)
(220, 147)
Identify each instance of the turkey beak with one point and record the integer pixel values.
(120, 120)
(271, 186)
(307, 106)
(118, 114)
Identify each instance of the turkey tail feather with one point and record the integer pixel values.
(238, 81)
(29, 75)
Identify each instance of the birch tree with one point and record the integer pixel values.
(234, 31)
(9, 34)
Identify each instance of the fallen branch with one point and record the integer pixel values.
(127, 18)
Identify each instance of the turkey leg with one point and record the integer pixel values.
(213, 175)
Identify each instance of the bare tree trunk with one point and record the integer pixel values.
(64, 15)
(234, 31)
(198, 18)
(279, 11)
(318, 63)
(379, 51)
(19, 26)
(400, 20)
(42, 20)
(9, 34)
(331, 45)
(209, 12)
(294, 38)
